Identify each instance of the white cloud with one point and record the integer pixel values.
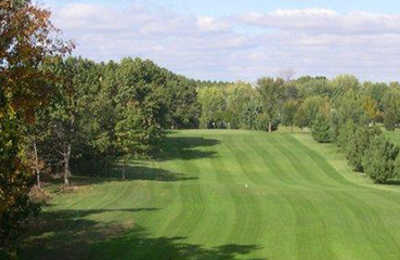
(311, 41)
(210, 24)
(325, 21)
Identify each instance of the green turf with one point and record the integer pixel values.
(301, 202)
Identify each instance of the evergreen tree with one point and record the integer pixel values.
(397, 166)
(391, 104)
(379, 160)
(346, 133)
(358, 144)
(321, 130)
(390, 119)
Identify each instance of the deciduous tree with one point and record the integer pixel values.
(25, 40)
(271, 93)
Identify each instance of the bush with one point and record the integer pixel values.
(358, 144)
(321, 130)
(397, 166)
(346, 133)
(379, 160)
(390, 120)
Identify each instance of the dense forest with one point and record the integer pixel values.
(62, 115)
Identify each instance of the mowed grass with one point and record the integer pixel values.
(226, 195)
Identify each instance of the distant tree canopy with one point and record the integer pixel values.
(341, 110)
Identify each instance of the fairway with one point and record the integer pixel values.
(227, 195)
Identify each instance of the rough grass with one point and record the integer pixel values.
(226, 195)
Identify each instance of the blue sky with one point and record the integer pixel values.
(229, 7)
(242, 39)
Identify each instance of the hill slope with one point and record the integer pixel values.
(227, 195)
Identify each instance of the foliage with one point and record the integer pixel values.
(25, 40)
(358, 144)
(61, 114)
(308, 111)
(343, 84)
(391, 117)
(271, 93)
(397, 166)
(240, 103)
(143, 88)
(390, 120)
(378, 161)
(321, 130)
(377, 92)
(213, 107)
(76, 112)
(69, 116)
(371, 109)
(181, 100)
(318, 86)
(232, 106)
(97, 106)
(346, 133)
(349, 106)
(288, 112)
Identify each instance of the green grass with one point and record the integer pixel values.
(301, 202)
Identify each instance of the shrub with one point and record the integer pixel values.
(321, 130)
(358, 144)
(346, 133)
(390, 120)
(379, 160)
(397, 166)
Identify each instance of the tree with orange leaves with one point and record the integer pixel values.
(25, 42)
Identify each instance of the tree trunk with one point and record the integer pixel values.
(125, 162)
(37, 170)
(123, 171)
(270, 126)
(67, 170)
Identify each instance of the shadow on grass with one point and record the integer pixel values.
(174, 148)
(186, 148)
(132, 172)
(69, 234)
(138, 244)
(142, 172)
(394, 182)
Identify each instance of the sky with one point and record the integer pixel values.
(239, 39)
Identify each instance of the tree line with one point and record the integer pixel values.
(341, 110)
(102, 114)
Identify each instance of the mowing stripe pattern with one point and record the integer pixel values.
(243, 195)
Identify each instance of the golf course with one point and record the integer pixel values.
(224, 194)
